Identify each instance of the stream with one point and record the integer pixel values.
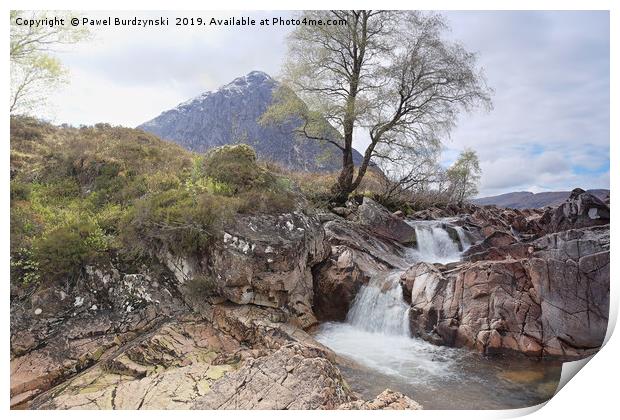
(377, 352)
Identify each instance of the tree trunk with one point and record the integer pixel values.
(344, 185)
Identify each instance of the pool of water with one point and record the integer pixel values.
(377, 352)
(435, 376)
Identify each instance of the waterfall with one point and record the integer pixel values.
(379, 306)
(434, 243)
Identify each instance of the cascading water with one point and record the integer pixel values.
(376, 336)
(379, 306)
(435, 243)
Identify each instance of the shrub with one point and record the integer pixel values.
(87, 195)
(27, 128)
(64, 251)
(234, 165)
(177, 220)
(26, 224)
(20, 190)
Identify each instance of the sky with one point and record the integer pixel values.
(548, 129)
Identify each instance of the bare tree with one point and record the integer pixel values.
(414, 170)
(390, 73)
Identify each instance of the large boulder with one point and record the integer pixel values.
(485, 306)
(348, 234)
(263, 260)
(498, 245)
(382, 223)
(570, 275)
(267, 260)
(337, 281)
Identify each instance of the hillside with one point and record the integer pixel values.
(99, 194)
(529, 200)
(230, 115)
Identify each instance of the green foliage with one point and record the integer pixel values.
(24, 266)
(64, 251)
(34, 70)
(234, 165)
(93, 194)
(176, 219)
(233, 170)
(20, 190)
(464, 175)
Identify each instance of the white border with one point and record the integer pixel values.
(590, 395)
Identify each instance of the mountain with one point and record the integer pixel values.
(529, 200)
(230, 115)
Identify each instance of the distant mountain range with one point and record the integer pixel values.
(529, 200)
(230, 115)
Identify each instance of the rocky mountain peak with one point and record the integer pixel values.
(230, 115)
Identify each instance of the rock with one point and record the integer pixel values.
(169, 368)
(384, 224)
(267, 260)
(571, 277)
(338, 279)
(342, 211)
(64, 340)
(399, 214)
(386, 251)
(497, 246)
(554, 302)
(356, 256)
(582, 209)
(294, 377)
(261, 327)
(387, 400)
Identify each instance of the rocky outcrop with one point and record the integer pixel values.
(294, 377)
(263, 260)
(498, 246)
(582, 209)
(168, 368)
(554, 302)
(356, 255)
(267, 261)
(570, 275)
(176, 362)
(261, 264)
(57, 333)
(382, 223)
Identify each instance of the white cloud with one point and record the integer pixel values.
(550, 70)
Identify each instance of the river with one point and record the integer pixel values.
(377, 351)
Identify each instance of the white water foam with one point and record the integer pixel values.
(376, 332)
